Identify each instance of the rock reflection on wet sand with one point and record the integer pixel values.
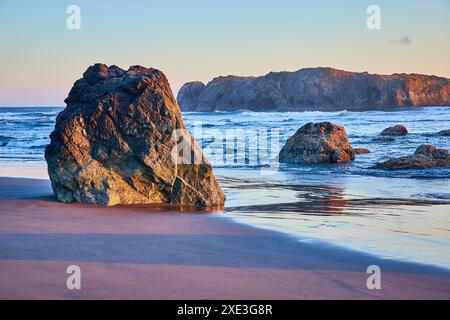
(315, 200)
(400, 228)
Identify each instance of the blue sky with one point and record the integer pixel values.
(200, 39)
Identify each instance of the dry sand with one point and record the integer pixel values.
(141, 252)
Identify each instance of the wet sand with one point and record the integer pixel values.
(142, 252)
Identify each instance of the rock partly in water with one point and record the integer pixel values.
(310, 89)
(361, 150)
(445, 133)
(322, 142)
(384, 139)
(116, 142)
(425, 156)
(397, 130)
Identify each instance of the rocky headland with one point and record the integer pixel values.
(315, 89)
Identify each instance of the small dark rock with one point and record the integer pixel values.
(384, 139)
(397, 130)
(361, 150)
(425, 156)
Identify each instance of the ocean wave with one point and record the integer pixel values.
(4, 140)
(425, 174)
(41, 146)
(30, 130)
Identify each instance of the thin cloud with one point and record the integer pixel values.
(405, 41)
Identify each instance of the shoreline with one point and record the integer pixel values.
(237, 212)
(139, 252)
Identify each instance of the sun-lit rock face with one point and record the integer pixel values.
(115, 143)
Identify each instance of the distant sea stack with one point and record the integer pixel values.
(315, 89)
(115, 142)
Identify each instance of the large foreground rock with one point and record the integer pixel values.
(426, 156)
(116, 143)
(310, 89)
(322, 142)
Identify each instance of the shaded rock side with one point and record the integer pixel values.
(322, 142)
(114, 142)
(425, 156)
(311, 89)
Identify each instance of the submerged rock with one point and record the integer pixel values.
(322, 142)
(397, 130)
(445, 133)
(361, 150)
(384, 139)
(425, 156)
(116, 143)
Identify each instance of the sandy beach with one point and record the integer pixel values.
(142, 252)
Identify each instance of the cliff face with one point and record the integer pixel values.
(321, 89)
